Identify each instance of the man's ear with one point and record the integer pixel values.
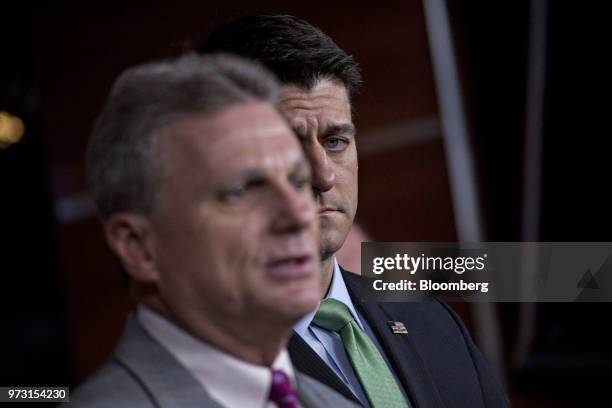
(131, 238)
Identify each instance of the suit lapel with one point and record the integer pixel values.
(313, 394)
(400, 350)
(163, 377)
(306, 360)
(304, 394)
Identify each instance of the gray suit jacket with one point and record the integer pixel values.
(142, 373)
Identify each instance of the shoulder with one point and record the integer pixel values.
(435, 314)
(312, 393)
(437, 335)
(113, 385)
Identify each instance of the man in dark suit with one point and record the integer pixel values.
(205, 197)
(436, 363)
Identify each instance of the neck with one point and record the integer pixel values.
(327, 269)
(258, 344)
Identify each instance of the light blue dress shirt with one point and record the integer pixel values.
(328, 345)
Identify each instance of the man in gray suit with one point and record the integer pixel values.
(205, 197)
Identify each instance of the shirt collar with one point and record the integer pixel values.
(229, 380)
(337, 291)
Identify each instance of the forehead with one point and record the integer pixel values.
(327, 102)
(247, 135)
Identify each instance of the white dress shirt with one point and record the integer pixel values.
(232, 382)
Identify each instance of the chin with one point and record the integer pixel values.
(287, 315)
(298, 303)
(332, 240)
(329, 247)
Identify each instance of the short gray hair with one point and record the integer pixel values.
(122, 161)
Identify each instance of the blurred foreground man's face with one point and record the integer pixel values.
(321, 117)
(236, 227)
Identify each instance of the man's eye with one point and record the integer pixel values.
(335, 144)
(242, 191)
(301, 182)
(234, 194)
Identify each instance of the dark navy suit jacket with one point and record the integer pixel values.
(436, 362)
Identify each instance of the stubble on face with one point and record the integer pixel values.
(321, 118)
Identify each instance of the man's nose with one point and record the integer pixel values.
(323, 175)
(296, 210)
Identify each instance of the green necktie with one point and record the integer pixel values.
(372, 371)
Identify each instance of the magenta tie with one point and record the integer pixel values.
(281, 392)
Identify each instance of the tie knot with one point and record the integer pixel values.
(332, 315)
(281, 391)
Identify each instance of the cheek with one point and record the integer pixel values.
(346, 177)
(347, 169)
(235, 254)
(211, 259)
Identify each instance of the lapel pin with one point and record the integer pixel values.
(397, 327)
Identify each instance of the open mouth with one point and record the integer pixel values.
(326, 210)
(292, 267)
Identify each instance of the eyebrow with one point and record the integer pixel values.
(256, 174)
(343, 129)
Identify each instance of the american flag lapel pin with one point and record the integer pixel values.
(397, 327)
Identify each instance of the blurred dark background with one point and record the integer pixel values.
(532, 93)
